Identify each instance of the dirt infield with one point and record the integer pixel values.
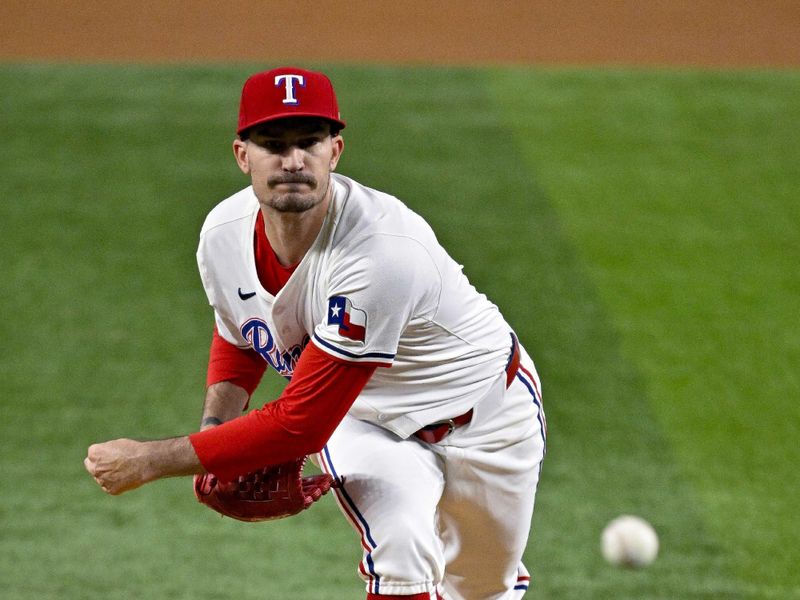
(721, 33)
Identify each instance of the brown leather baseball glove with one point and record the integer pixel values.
(270, 493)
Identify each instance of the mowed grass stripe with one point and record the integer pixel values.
(679, 192)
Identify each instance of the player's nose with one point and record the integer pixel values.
(293, 159)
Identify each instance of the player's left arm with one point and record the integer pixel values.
(297, 424)
(122, 465)
(383, 283)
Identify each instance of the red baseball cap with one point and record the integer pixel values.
(287, 92)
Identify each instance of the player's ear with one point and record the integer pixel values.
(338, 147)
(240, 153)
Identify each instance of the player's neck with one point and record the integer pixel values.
(292, 234)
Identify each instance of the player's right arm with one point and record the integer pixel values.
(224, 401)
(233, 375)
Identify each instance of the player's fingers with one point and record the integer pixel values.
(94, 451)
(102, 483)
(92, 468)
(109, 487)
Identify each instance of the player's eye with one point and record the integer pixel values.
(307, 143)
(273, 146)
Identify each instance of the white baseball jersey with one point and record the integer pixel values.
(376, 287)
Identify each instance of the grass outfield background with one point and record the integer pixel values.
(640, 229)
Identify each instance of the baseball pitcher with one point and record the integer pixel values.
(405, 384)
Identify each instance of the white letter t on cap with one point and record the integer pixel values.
(289, 83)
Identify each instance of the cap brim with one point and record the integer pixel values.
(289, 115)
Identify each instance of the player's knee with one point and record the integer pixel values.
(410, 558)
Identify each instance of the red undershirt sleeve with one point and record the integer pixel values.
(241, 366)
(298, 423)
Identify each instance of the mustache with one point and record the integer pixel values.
(292, 178)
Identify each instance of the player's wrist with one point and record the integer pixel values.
(209, 422)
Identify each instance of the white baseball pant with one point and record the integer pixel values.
(450, 519)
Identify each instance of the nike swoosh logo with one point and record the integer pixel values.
(244, 296)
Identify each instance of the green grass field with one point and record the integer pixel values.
(640, 229)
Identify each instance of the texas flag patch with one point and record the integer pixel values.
(352, 322)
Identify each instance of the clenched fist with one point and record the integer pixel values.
(122, 465)
(118, 466)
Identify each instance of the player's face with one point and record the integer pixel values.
(289, 162)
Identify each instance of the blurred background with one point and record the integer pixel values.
(619, 177)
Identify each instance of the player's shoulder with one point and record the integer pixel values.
(367, 212)
(377, 232)
(234, 208)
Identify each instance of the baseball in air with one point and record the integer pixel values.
(629, 541)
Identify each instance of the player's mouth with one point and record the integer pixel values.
(293, 181)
